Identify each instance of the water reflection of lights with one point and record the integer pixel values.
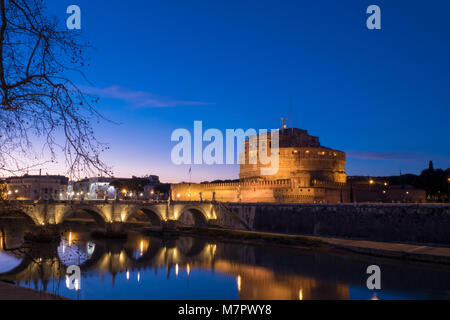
(128, 275)
(212, 249)
(176, 269)
(300, 294)
(374, 297)
(139, 276)
(140, 248)
(90, 248)
(188, 269)
(72, 253)
(76, 283)
(238, 282)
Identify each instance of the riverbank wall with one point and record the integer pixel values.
(416, 223)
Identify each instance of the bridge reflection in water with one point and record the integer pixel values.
(189, 268)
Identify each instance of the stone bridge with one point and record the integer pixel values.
(53, 213)
(117, 213)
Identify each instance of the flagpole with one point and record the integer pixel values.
(190, 178)
(190, 175)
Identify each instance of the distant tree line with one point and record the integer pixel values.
(220, 181)
(435, 182)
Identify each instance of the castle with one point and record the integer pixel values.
(307, 173)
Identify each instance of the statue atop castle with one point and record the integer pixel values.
(283, 123)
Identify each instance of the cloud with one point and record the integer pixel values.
(389, 156)
(138, 99)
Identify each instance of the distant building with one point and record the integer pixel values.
(3, 189)
(405, 194)
(105, 188)
(37, 187)
(366, 189)
(96, 188)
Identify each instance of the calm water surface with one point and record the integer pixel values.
(145, 267)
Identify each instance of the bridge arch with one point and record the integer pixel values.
(86, 211)
(145, 214)
(26, 213)
(193, 215)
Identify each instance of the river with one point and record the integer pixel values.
(150, 267)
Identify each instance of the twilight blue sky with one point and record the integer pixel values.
(381, 96)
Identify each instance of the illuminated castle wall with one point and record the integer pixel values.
(308, 173)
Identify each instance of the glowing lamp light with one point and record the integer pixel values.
(77, 284)
(178, 195)
(371, 182)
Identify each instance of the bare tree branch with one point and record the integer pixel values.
(37, 96)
